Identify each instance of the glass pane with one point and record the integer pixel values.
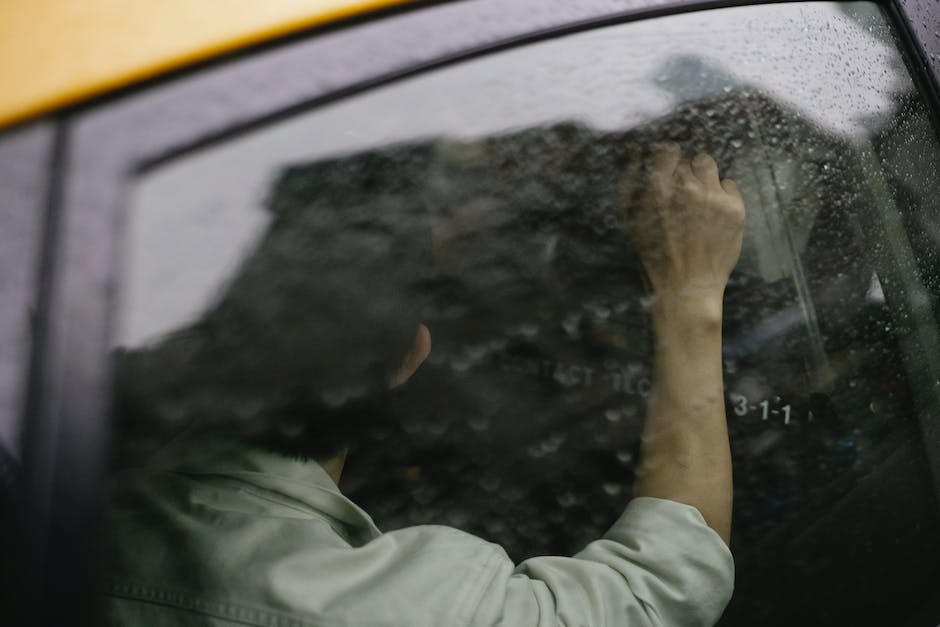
(282, 275)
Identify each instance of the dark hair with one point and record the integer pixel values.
(298, 349)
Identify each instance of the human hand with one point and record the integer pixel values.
(686, 224)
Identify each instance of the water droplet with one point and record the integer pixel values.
(567, 499)
(528, 330)
(490, 483)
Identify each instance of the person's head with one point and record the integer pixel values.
(297, 353)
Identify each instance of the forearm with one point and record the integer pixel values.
(685, 455)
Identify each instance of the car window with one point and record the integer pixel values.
(488, 201)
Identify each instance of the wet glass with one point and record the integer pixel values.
(485, 201)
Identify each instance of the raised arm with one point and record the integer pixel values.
(687, 225)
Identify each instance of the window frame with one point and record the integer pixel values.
(28, 170)
(26, 173)
(911, 19)
(88, 183)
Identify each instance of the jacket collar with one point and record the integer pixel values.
(302, 481)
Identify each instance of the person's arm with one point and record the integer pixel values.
(687, 227)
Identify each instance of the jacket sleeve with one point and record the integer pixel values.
(659, 565)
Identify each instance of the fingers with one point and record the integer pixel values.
(670, 174)
(705, 168)
(684, 173)
(667, 162)
(734, 201)
(665, 158)
(663, 162)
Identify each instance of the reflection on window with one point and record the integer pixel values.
(483, 201)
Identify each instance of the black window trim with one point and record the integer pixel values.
(919, 36)
(68, 430)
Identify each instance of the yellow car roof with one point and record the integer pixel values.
(59, 52)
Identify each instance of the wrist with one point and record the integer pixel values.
(692, 309)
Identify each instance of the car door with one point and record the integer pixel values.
(512, 124)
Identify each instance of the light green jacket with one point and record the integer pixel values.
(222, 535)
